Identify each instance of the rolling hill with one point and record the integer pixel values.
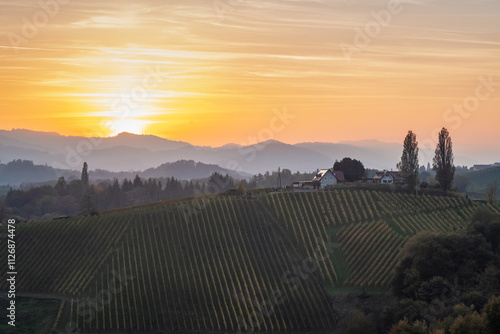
(477, 183)
(25, 172)
(214, 264)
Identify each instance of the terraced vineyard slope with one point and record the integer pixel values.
(222, 264)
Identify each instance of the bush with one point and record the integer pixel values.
(474, 298)
(409, 309)
(469, 324)
(403, 327)
(461, 310)
(491, 312)
(359, 323)
(435, 288)
(428, 256)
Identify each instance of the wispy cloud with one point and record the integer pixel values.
(260, 55)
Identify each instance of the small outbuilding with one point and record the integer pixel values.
(388, 177)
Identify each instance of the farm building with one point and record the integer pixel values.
(388, 177)
(477, 168)
(322, 179)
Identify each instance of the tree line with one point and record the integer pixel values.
(82, 197)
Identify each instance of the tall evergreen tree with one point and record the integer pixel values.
(127, 185)
(2, 212)
(87, 201)
(88, 204)
(60, 187)
(85, 176)
(408, 166)
(137, 181)
(443, 161)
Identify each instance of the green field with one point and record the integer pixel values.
(477, 183)
(223, 264)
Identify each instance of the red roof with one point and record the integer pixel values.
(395, 175)
(339, 175)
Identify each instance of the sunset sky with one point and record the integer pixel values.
(215, 72)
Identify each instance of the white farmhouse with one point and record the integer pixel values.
(321, 180)
(324, 178)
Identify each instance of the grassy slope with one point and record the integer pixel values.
(33, 316)
(478, 182)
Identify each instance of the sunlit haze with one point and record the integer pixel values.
(217, 72)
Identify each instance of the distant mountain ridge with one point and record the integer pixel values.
(129, 152)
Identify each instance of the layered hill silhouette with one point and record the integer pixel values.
(130, 152)
(18, 172)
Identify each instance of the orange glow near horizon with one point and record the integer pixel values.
(186, 72)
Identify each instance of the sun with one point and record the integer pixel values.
(131, 125)
(132, 119)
